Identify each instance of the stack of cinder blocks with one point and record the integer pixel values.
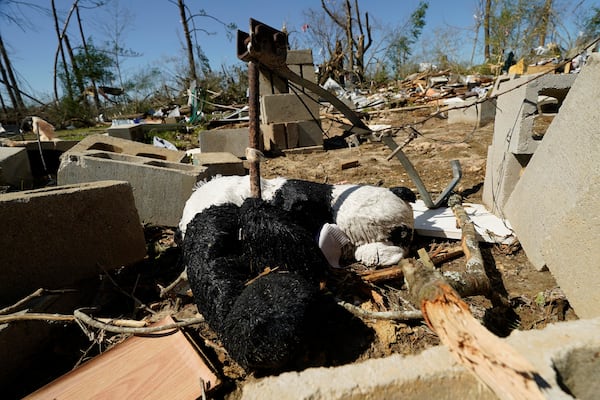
(514, 140)
(552, 203)
(290, 113)
(161, 179)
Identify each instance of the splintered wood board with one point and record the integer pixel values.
(159, 366)
(441, 222)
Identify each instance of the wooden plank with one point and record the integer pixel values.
(159, 366)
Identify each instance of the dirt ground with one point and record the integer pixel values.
(522, 298)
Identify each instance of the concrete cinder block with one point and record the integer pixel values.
(219, 163)
(274, 136)
(299, 57)
(434, 373)
(15, 170)
(476, 114)
(270, 83)
(558, 194)
(56, 236)
(278, 108)
(234, 141)
(503, 171)
(308, 133)
(134, 132)
(160, 188)
(124, 146)
(517, 107)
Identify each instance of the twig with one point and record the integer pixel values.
(391, 315)
(38, 293)
(135, 331)
(130, 295)
(178, 281)
(110, 325)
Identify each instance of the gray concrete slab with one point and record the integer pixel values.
(434, 373)
(470, 112)
(134, 132)
(129, 147)
(56, 236)
(160, 188)
(233, 140)
(514, 141)
(15, 170)
(554, 206)
(290, 107)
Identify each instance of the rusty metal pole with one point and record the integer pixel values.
(254, 130)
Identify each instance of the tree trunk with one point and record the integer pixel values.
(9, 88)
(60, 51)
(544, 24)
(188, 40)
(87, 54)
(18, 100)
(486, 30)
(74, 65)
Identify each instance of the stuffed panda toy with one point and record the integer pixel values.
(255, 265)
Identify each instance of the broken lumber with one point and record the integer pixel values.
(495, 363)
(475, 280)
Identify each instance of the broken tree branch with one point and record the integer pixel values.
(107, 324)
(392, 315)
(492, 360)
(38, 293)
(475, 281)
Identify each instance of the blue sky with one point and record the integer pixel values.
(153, 29)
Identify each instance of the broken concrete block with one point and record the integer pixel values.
(234, 141)
(133, 132)
(15, 170)
(125, 146)
(56, 236)
(299, 57)
(292, 134)
(514, 139)
(219, 163)
(306, 133)
(271, 83)
(434, 374)
(277, 108)
(153, 181)
(558, 196)
(274, 136)
(476, 114)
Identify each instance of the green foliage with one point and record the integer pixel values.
(400, 45)
(591, 27)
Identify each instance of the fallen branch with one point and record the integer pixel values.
(391, 315)
(475, 280)
(107, 324)
(38, 293)
(508, 374)
(380, 275)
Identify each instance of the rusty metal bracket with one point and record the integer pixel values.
(268, 46)
(414, 175)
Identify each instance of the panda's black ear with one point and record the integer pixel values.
(26, 125)
(404, 193)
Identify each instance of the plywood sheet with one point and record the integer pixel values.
(441, 222)
(160, 366)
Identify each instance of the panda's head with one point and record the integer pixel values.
(26, 125)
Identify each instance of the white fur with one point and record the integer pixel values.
(221, 190)
(366, 214)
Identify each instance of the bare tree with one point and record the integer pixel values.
(358, 37)
(9, 79)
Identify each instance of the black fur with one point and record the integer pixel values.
(261, 324)
(309, 203)
(26, 125)
(404, 193)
